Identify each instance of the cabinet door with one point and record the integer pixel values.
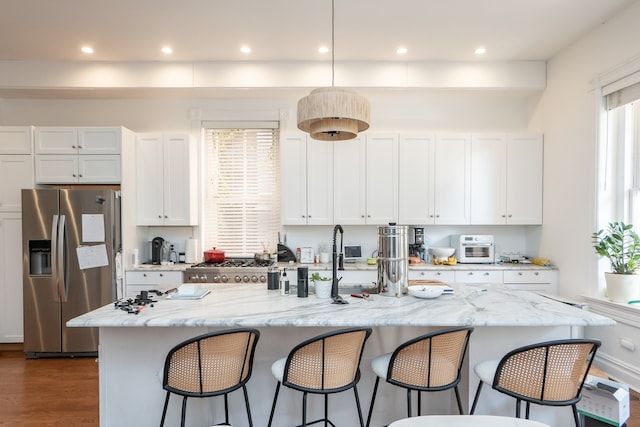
(293, 179)
(15, 139)
(57, 169)
(382, 179)
(178, 201)
(349, 194)
(415, 179)
(99, 140)
(452, 179)
(489, 179)
(524, 179)
(319, 182)
(56, 140)
(11, 329)
(101, 169)
(149, 160)
(478, 276)
(16, 173)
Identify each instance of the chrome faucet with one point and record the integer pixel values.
(337, 299)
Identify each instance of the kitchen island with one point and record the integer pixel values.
(133, 347)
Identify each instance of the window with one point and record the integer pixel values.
(242, 190)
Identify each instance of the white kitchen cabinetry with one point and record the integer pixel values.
(478, 276)
(137, 281)
(11, 329)
(366, 180)
(506, 176)
(16, 165)
(434, 179)
(443, 276)
(532, 280)
(69, 155)
(306, 176)
(166, 181)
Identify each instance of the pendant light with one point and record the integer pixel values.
(331, 113)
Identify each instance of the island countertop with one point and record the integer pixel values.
(252, 305)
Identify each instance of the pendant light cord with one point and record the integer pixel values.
(333, 43)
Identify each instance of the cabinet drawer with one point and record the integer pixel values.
(444, 276)
(154, 277)
(478, 276)
(530, 276)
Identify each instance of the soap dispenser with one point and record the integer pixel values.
(284, 283)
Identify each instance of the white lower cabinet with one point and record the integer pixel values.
(443, 276)
(137, 281)
(532, 280)
(478, 276)
(11, 329)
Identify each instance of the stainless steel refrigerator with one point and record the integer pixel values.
(70, 241)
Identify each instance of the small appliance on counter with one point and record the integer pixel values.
(285, 254)
(416, 249)
(157, 248)
(474, 248)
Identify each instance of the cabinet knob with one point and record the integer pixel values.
(470, 273)
(73, 146)
(486, 273)
(437, 215)
(166, 217)
(304, 216)
(80, 175)
(160, 216)
(536, 273)
(74, 175)
(503, 216)
(369, 216)
(431, 216)
(438, 274)
(510, 215)
(520, 273)
(144, 274)
(309, 216)
(80, 147)
(161, 275)
(361, 216)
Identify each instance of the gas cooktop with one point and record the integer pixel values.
(234, 262)
(238, 270)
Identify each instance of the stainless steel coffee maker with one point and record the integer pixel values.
(416, 248)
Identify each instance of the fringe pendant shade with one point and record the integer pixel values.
(333, 114)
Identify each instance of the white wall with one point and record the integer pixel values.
(568, 113)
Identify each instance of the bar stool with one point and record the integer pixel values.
(328, 363)
(431, 362)
(465, 421)
(208, 365)
(550, 373)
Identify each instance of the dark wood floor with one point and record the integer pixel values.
(64, 392)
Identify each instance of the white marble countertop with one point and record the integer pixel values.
(252, 305)
(362, 266)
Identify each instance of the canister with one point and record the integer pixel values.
(273, 278)
(393, 260)
(303, 282)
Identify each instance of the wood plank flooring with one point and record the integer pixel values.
(64, 392)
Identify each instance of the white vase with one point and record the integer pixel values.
(323, 288)
(622, 287)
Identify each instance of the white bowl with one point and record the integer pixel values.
(442, 252)
(426, 291)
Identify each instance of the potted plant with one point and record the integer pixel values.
(621, 245)
(322, 285)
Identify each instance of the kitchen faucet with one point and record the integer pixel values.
(337, 299)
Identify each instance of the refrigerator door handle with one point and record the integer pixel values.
(62, 277)
(54, 258)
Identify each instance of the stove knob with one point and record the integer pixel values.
(254, 278)
(263, 278)
(238, 279)
(224, 278)
(245, 278)
(203, 278)
(216, 278)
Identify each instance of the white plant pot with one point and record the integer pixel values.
(622, 287)
(323, 288)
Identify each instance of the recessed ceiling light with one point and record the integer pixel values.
(323, 49)
(481, 51)
(402, 50)
(245, 49)
(87, 49)
(166, 50)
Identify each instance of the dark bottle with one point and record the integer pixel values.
(303, 282)
(273, 278)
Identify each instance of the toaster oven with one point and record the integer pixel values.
(474, 248)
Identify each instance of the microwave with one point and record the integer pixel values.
(474, 248)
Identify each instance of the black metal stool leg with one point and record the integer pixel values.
(273, 406)
(184, 411)
(246, 402)
(355, 391)
(164, 411)
(419, 403)
(373, 399)
(409, 403)
(475, 399)
(226, 409)
(458, 399)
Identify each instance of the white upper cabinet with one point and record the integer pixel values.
(16, 165)
(166, 184)
(366, 180)
(69, 155)
(452, 179)
(306, 176)
(507, 179)
(416, 179)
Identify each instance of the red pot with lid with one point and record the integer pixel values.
(214, 255)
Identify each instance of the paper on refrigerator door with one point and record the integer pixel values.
(92, 228)
(92, 256)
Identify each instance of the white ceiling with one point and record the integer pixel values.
(214, 30)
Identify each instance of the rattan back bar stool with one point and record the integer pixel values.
(431, 362)
(550, 373)
(326, 364)
(208, 365)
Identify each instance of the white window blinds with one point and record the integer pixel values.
(242, 190)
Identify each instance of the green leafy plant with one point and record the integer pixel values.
(316, 277)
(621, 245)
